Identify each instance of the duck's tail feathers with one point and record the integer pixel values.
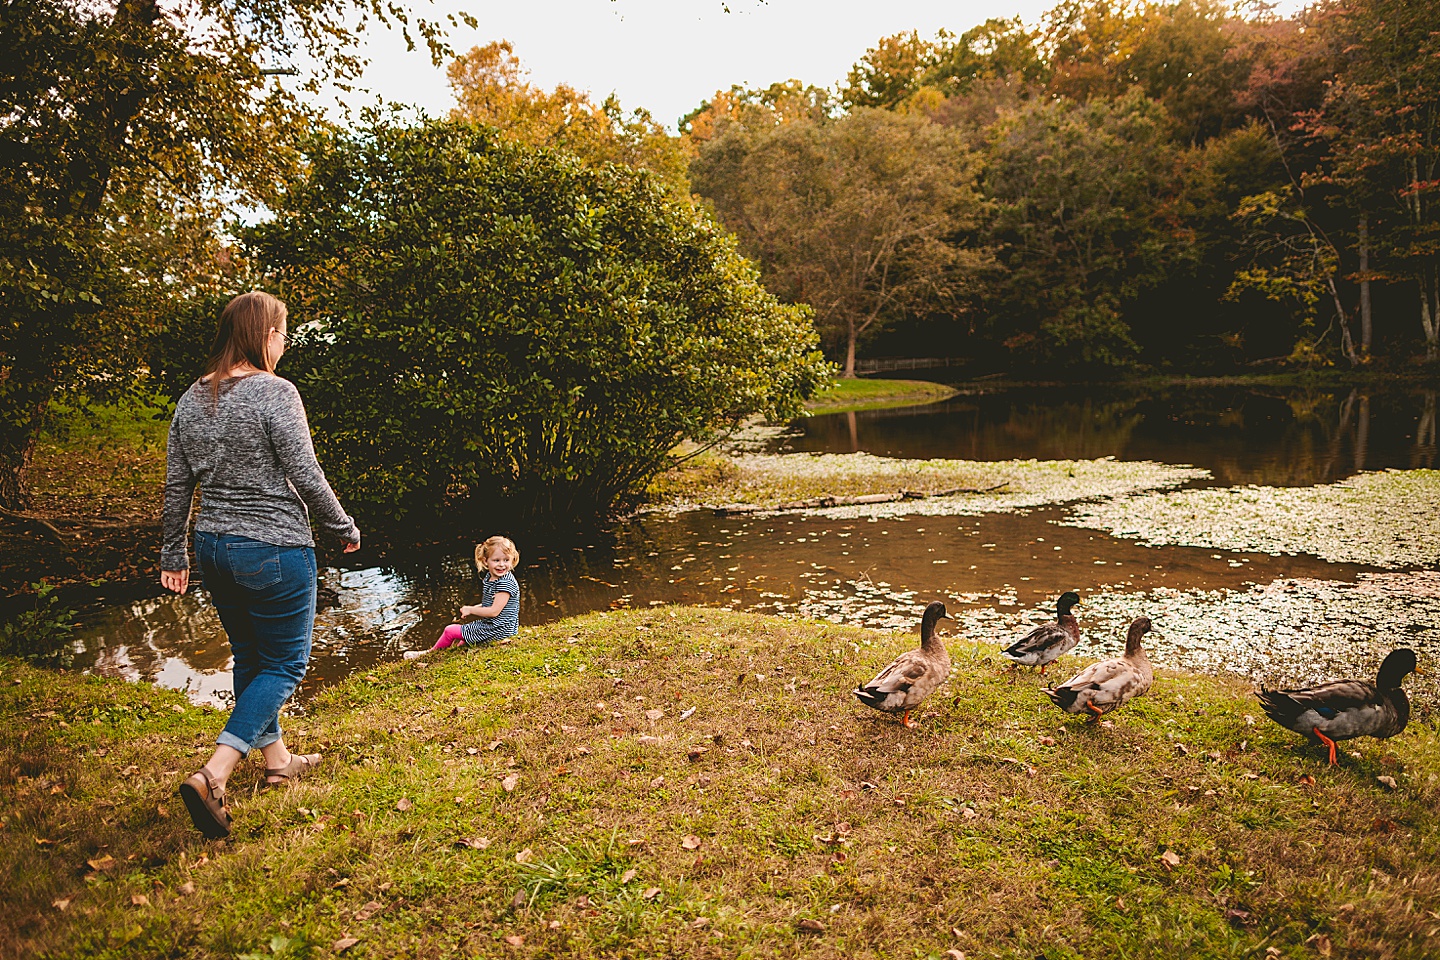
(1064, 697)
(869, 697)
(1279, 706)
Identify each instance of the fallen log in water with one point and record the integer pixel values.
(835, 501)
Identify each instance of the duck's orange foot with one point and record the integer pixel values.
(1328, 742)
(1095, 712)
(909, 724)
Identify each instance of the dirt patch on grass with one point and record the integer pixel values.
(1389, 519)
(685, 782)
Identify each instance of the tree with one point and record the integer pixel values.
(489, 329)
(863, 217)
(1079, 194)
(490, 87)
(1380, 123)
(123, 124)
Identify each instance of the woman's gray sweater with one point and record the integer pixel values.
(250, 453)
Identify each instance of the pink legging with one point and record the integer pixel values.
(451, 635)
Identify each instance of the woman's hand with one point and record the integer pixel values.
(352, 547)
(175, 580)
(466, 611)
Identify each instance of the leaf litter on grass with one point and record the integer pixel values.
(968, 810)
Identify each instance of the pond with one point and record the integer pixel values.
(1274, 618)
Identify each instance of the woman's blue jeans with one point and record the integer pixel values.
(265, 596)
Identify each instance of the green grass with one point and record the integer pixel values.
(846, 395)
(1000, 827)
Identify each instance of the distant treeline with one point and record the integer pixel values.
(1192, 185)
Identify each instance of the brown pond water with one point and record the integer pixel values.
(1280, 619)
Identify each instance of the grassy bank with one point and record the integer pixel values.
(847, 395)
(556, 797)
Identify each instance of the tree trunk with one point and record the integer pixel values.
(1347, 343)
(1365, 326)
(849, 373)
(17, 446)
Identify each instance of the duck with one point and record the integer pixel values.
(911, 677)
(1344, 709)
(1049, 641)
(1109, 684)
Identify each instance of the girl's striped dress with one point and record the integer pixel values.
(477, 633)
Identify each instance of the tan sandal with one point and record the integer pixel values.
(299, 765)
(204, 798)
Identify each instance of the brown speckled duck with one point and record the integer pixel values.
(912, 676)
(1104, 686)
(1049, 641)
(1344, 709)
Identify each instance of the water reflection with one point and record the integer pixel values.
(998, 570)
(1284, 437)
(867, 572)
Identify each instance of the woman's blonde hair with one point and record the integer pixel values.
(483, 551)
(242, 335)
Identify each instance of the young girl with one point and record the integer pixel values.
(499, 607)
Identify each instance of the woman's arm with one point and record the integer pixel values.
(179, 497)
(290, 434)
(497, 604)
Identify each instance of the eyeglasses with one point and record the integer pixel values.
(284, 339)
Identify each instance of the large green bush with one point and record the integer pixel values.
(487, 325)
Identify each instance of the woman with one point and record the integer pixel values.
(240, 433)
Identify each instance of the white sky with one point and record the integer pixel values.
(669, 55)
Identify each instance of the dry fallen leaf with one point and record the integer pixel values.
(61, 904)
(403, 804)
(690, 842)
(655, 714)
(186, 888)
(553, 925)
(369, 910)
(810, 926)
(515, 940)
(628, 875)
(1387, 782)
(1044, 742)
(651, 893)
(525, 856)
(340, 946)
(1170, 859)
(474, 843)
(954, 954)
(45, 842)
(510, 782)
(494, 745)
(697, 752)
(102, 863)
(647, 740)
(139, 900)
(472, 750)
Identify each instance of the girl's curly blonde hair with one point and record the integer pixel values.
(483, 551)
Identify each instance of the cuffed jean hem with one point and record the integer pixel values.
(228, 739)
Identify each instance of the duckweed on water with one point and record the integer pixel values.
(1286, 633)
(1389, 519)
(768, 480)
